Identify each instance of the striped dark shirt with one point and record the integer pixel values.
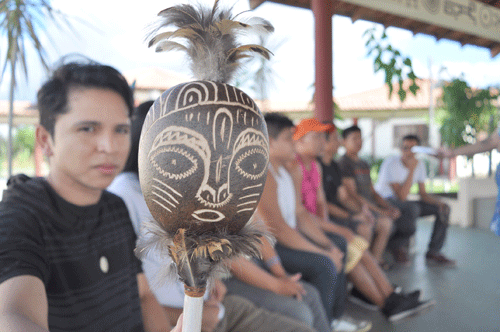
(83, 255)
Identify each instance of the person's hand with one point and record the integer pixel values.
(443, 152)
(178, 326)
(290, 286)
(336, 256)
(210, 316)
(217, 293)
(395, 212)
(365, 209)
(411, 163)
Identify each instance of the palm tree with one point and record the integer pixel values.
(264, 75)
(21, 21)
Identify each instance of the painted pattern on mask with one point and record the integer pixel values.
(203, 156)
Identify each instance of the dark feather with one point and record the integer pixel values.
(200, 257)
(209, 38)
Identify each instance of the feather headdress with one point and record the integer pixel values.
(210, 38)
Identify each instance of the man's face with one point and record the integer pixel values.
(282, 147)
(91, 142)
(312, 143)
(353, 142)
(406, 148)
(332, 143)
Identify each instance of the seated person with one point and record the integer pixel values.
(396, 177)
(356, 179)
(67, 258)
(220, 313)
(337, 197)
(306, 253)
(320, 265)
(267, 285)
(361, 267)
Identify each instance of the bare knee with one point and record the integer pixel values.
(384, 225)
(365, 231)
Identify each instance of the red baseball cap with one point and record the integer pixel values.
(307, 125)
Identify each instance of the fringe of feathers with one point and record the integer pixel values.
(209, 38)
(197, 258)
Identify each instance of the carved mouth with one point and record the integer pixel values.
(208, 215)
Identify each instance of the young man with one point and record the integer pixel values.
(362, 268)
(221, 313)
(337, 197)
(356, 179)
(66, 245)
(396, 177)
(320, 262)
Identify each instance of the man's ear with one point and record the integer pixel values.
(44, 140)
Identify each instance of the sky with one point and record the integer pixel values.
(113, 32)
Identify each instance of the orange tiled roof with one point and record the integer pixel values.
(22, 108)
(378, 99)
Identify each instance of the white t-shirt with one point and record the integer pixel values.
(286, 195)
(393, 171)
(169, 293)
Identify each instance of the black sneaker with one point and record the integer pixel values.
(399, 306)
(358, 298)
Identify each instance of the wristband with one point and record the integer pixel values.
(272, 261)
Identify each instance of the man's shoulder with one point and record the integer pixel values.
(391, 160)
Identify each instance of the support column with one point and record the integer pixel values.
(323, 99)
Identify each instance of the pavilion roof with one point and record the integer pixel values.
(350, 9)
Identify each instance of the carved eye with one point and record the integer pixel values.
(174, 162)
(252, 163)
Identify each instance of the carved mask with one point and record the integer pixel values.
(203, 157)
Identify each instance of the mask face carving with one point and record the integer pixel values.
(203, 157)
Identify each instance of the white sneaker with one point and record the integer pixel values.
(349, 324)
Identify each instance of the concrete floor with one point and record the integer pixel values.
(468, 296)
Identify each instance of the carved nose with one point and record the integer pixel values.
(215, 195)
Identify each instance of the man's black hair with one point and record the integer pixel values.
(349, 130)
(276, 123)
(138, 118)
(53, 95)
(411, 137)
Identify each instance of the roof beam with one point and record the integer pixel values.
(255, 3)
(359, 13)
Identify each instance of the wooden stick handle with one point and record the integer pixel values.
(193, 310)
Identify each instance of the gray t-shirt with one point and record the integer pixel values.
(360, 171)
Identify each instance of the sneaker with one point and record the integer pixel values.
(439, 260)
(358, 298)
(398, 307)
(349, 324)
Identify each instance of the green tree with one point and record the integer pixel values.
(390, 60)
(22, 22)
(466, 113)
(24, 140)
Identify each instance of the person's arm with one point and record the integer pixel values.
(271, 259)
(403, 189)
(269, 211)
(337, 211)
(351, 188)
(252, 274)
(387, 209)
(307, 223)
(492, 142)
(153, 315)
(23, 305)
(320, 197)
(324, 219)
